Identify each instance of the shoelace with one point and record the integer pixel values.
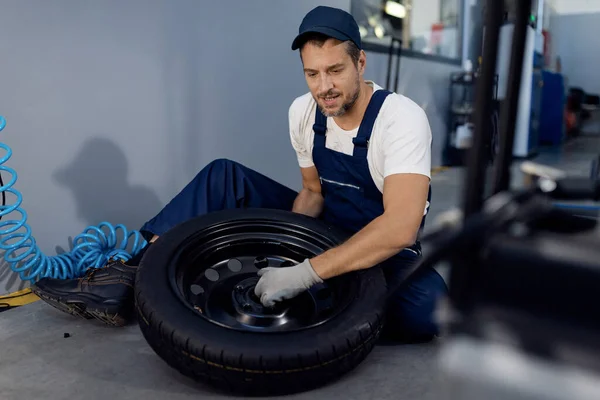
(89, 274)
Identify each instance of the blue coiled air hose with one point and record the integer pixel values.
(93, 248)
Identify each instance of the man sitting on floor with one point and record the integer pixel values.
(365, 158)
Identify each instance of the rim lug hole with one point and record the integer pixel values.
(239, 288)
(247, 307)
(261, 262)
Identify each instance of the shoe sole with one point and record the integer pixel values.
(105, 314)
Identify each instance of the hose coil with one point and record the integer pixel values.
(93, 248)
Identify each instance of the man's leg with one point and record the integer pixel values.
(221, 185)
(107, 293)
(411, 307)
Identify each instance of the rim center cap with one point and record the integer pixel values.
(248, 305)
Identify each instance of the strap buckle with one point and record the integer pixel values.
(319, 129)
(360, 141)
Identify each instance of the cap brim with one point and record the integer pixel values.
(318, 29)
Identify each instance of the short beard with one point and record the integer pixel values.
(346, 106)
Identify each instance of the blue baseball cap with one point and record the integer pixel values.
(329, 21)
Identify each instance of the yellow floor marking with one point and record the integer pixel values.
(19, 298)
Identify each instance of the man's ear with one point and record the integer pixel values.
(362, 62)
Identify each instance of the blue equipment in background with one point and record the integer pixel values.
(91, 249)
(552, 109)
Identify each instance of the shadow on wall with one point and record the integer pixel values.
(97, 176)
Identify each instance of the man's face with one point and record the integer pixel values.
(332, 76)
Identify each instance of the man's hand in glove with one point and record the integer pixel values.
(277, 284)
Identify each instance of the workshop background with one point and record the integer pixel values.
(113, 106)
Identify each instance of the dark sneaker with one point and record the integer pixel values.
(103, 293)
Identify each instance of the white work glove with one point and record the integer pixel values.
(277, 284)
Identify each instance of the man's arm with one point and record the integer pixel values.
(404, 200)
(405, 196)
(310, 200)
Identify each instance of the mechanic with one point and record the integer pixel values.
(365, 158)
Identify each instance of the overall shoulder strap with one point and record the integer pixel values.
(361, 141)
(319, 127)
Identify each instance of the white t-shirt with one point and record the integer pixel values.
(400, 141)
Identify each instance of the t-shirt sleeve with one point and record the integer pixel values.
(407, 144)
(297, 136)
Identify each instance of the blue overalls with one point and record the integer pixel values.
(352, 200)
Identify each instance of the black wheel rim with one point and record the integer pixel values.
(214, 273)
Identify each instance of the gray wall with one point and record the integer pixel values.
(112, 106)
(575, 39)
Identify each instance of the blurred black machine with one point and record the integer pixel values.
(523, 314)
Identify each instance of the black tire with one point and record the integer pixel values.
(254, 363)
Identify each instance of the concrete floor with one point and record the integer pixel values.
(97, 362)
